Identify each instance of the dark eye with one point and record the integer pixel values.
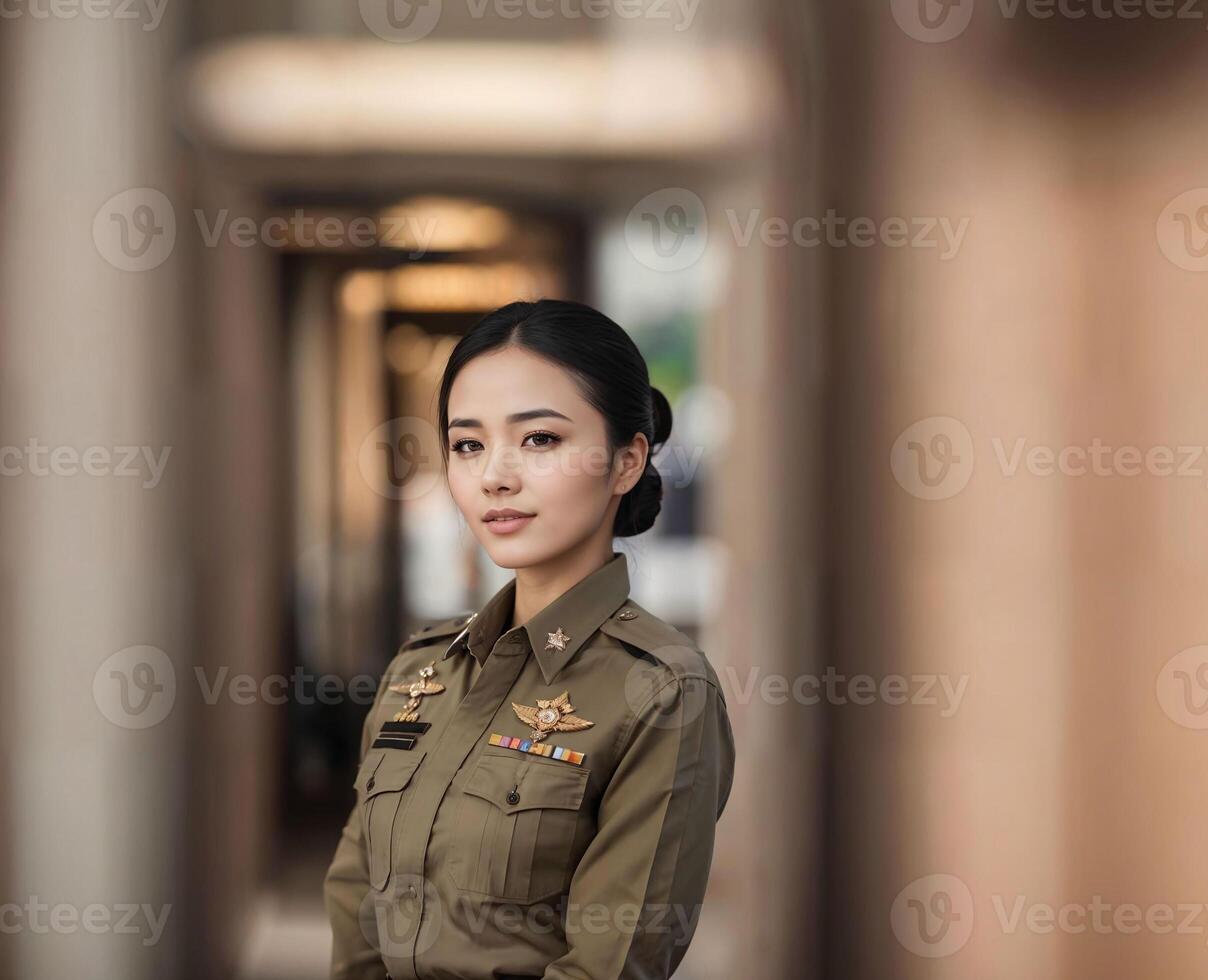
(546, 439)
(457, 447)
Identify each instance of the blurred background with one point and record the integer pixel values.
(925, 282)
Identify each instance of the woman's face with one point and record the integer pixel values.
(523, 439)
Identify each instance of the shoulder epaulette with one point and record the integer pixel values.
(637, 627)
(437, 631)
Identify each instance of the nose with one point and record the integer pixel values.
(501, 471)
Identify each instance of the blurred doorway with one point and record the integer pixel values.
(372, 308)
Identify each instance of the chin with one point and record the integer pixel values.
(517, 553)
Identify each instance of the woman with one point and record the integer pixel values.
(540, 780)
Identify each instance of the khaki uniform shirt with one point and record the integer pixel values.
(476, 852)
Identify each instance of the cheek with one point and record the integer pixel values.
(572, 483)
(462, 484)
(569, 466)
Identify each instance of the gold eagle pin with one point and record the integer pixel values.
(416, 690)
(553, 715)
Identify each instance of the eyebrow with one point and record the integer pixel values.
(532, 413)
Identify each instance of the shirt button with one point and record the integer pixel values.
(513, 798)
(411, 890)
(369, 785)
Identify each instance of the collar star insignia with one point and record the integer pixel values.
(556, 640)
(416, 690)
(553, 715)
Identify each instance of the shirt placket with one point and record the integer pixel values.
(474, 714)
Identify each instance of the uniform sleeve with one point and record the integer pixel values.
(636, 893)
(345, 886)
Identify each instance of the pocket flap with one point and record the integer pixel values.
(386, 771)
(537, 784)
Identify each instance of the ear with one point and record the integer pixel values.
(629, 462)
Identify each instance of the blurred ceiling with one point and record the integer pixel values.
(325, 96)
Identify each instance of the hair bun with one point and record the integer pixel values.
(662, 418)
(641, 505)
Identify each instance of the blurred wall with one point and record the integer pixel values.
(96, 565)
(978, 843)
(238, 538)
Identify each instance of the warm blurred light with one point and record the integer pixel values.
(361, 292)
(462, 287)
(444, 224)
(317, 95)
(408, 349)
(441, 352)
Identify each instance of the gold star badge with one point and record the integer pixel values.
(552, 715)
(557, 640)
(416, 690)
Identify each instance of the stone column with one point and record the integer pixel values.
(93, 496)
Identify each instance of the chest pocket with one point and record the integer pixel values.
(382, 796)
(515, 826)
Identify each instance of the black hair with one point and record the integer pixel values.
(608, 369)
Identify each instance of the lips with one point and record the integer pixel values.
(506, 514)
(506, 521)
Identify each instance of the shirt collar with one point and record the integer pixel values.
(577, 614)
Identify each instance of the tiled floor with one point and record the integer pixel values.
(288, 943)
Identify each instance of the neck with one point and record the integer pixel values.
(539, 585)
